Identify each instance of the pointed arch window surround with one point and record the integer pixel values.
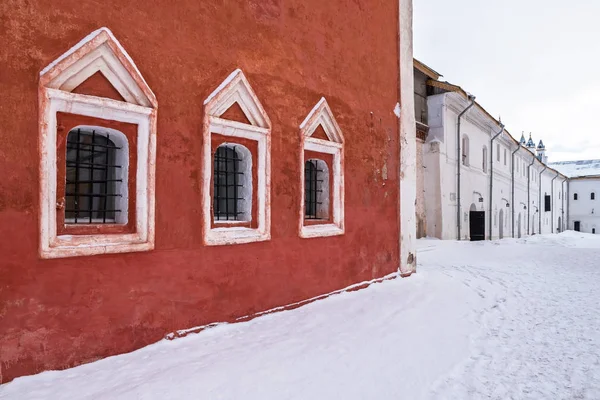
(244, 146)
(85, 135)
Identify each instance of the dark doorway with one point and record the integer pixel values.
(577, 227)
(477, 225)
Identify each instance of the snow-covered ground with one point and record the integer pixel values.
(510, 319)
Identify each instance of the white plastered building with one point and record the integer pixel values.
(583, 191)
(480, 183)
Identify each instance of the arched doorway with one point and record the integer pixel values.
(519, 226)
(501, 224)
(476, 223)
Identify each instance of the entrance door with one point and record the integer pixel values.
(501, 224)
(577, 226)
(477, 225)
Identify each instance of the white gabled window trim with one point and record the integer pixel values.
(99, 51)
(321, 115)
(236, 89)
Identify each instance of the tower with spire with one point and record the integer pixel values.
(541, 152)
(522, 141)
(530, 145)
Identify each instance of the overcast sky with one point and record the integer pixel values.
(533, 62)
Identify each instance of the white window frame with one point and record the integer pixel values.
(484, 160)
(99, 51)
(465, 152)
(322, 115)
(236, 89)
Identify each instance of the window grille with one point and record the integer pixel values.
(227, 184)
(92, 183)
(312, 178)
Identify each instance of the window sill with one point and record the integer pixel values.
(86, 245)
(320, 230)
(234, 235)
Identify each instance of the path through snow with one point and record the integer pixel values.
(496, 320)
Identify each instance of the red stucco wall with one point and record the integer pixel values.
(63, 312)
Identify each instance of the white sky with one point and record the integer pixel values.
(533, 62)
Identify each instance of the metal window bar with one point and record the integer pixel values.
(91, 183)
(226, 180)
(311, 189)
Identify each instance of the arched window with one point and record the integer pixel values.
(465, 150)
(232, 183)
(593, 196)
(96, 176)
(574, 196)
(484, 159)
(316, 189)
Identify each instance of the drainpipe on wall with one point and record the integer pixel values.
(540, 201)
(459, 164)
(492, 174)
(512, 178)
(562, 206)
(552, 204)
(528, 196)
(568, 199)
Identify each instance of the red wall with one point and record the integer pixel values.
(59, 313)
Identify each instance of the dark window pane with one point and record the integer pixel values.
(91, 178)
(227, 184)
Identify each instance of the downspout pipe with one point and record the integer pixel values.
(528, 197)
(562, 206)
(492, 175)
(568, 221)
(540, 201)
(471, 99)
(512, 179)
(552, 202)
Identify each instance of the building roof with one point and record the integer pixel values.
(455, 88)
(429, 72)
(579, 168)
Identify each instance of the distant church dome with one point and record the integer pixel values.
(522, 141)
(530, 143)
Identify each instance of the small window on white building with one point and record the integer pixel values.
(484, 159)
(593, 196)
(465, 150)
(504, 156)
(574, 196)
(517, 165)
(498, 152)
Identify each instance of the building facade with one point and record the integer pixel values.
(193, 164)
(583, 192)
(479, 182)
